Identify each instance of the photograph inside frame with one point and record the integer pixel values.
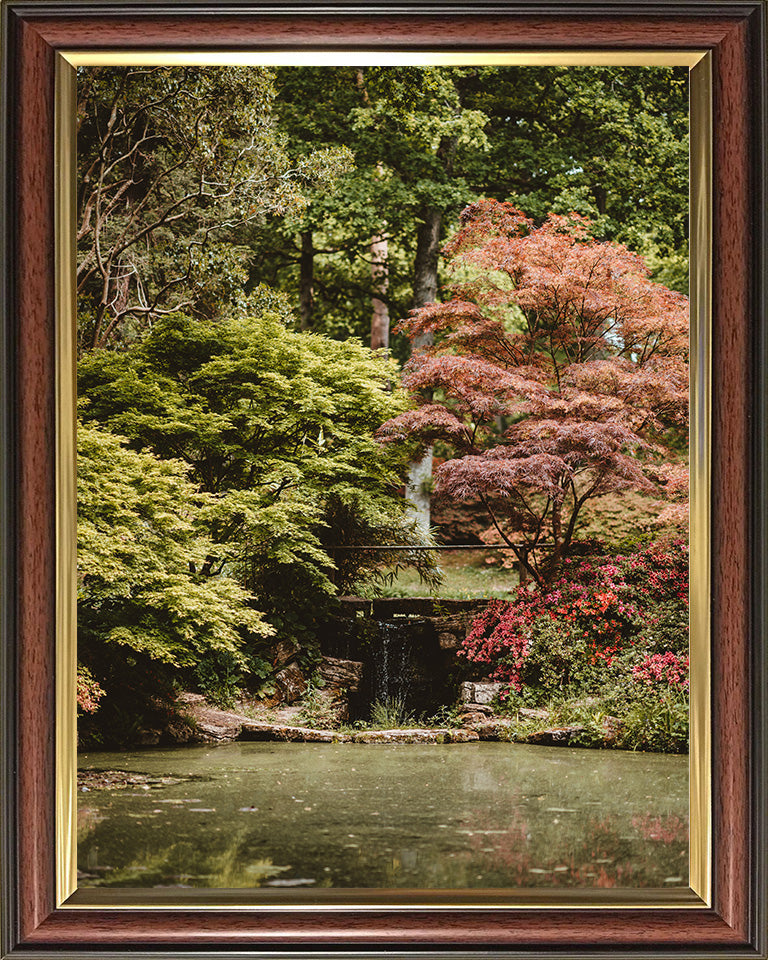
(382, 466)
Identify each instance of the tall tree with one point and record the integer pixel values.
(406, 128)
(173, 163)
(608, 143)
(565, 342)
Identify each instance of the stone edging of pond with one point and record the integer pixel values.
(271, 732)
(215, 725)
(222, 726)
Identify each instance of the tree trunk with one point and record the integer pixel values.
(380, 277)
(418, 486)
(306, 280)
(427, 253)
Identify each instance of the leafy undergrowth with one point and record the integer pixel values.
(647, 723)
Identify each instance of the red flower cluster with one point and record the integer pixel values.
(500, 636)
(606, 601)
(663, 668)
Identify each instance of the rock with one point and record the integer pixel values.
(481, 708)
(283, 652)
(212, 731)
(533, 713)
(462, 735)
(611, 729)
(340, 675)
(148, 738)
(473, 719)
(290, 684)
(448, 641)
(493, 729)
(274, 731)
(414, 736)
(555, 736)
(186, 697)
(451, 631)
(482, 692)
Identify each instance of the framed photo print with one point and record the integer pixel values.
(383, 494)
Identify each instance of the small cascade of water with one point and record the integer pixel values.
(391, 663)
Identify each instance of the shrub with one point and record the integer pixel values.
(656, 721)
(616, 627)
(318, 709)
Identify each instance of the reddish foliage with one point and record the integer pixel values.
(89, 691)
(554, 374)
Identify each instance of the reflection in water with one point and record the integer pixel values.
(480, 815)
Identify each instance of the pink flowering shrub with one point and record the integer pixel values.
(89, 691)
(664, 669)
(604, 618)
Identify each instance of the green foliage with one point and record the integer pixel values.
(610, 143)
(317, 709)
(147, 620)
(620, 520)
(219, 677)
(352, 523)
(653, 722)
(276, 428)
(391, 714)
(175, 165)
(616, 719)
(445, 716)
(139, 544)
(558, 657)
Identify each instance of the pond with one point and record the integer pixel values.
(428, 816)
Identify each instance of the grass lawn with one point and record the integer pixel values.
(466, 576)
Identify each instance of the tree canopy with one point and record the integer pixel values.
(556, 370)
(608, 143)
(140, 542)
(275, 426)
(173, 164)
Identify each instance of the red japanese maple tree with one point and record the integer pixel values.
(557, 372)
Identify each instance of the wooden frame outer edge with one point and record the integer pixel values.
(34, 361)
(7, 529)
(759, 734)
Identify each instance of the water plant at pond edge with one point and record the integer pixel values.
(316, 709)
(391, 713)
(609, 639)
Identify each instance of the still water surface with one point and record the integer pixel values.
(428, 816)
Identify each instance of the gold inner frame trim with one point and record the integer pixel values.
(700, 758)
(384, 58)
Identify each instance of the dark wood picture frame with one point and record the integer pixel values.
(735, 925)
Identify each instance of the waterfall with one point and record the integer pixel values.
(391, 663)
